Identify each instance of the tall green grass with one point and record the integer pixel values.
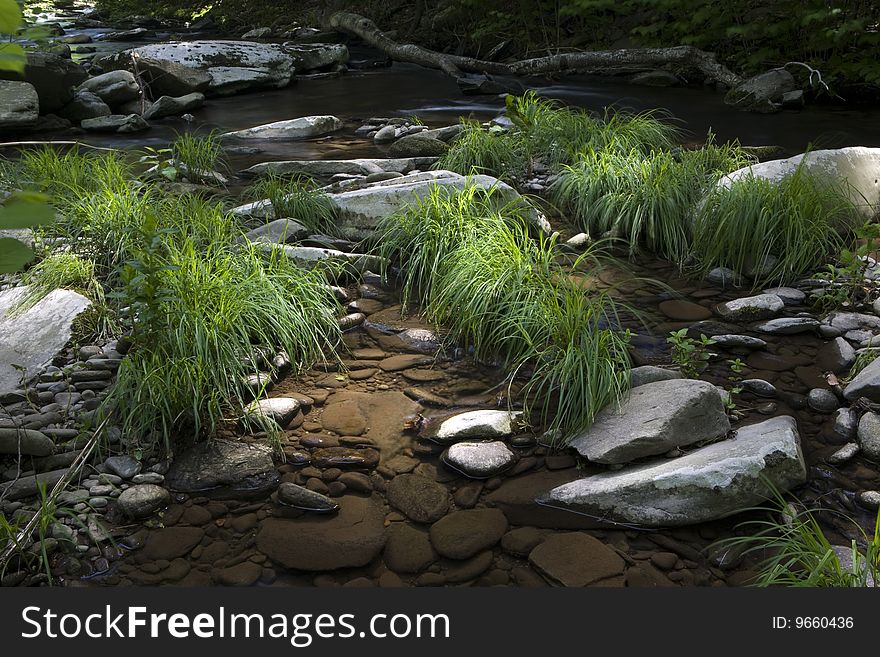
(199, 311)
(494, 152)
(199, 154)
(777, 230)
(474, 267)
(296, 198)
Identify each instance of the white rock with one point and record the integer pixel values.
(761, 306)
(303, 127)
(479, 460)
(475, 424)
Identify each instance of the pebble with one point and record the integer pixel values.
(844, 454)
(123, 466)
(822, 400)
(759, 387)
(870, 499)
(479, 460)
(306, 499)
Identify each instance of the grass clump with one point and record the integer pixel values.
(60, 271)
(199, 154)
(296, 197)
(796, 552)
(198, 311)
(473, 265)
(774, 231)
(495, 152)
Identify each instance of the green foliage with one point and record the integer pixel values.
(198, 155)
(296, 198)
(60, 271)
(692, 356)
(797, 553)
(778, 230)
(848, 283)
(198, 311)
(12, 55)
(21, 211)
(495, 152)
(472, 264)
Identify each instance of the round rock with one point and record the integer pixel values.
(479, 460)
(143, 500)
(822, 400)
(463, 534)
(417, 497)
(303, 498)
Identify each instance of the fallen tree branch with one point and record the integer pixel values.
(602, 61)
(16, 144)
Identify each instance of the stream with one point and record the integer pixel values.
(349, 441)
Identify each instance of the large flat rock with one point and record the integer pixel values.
(30, 339)
(653, 419)
(224, 468)
(712, 482)
(329, 168)
(303, 127)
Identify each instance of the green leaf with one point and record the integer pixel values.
(10, 16)
(169, 172)
(14, 255)
(24, 212)
(12, 57)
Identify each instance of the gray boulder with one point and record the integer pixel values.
(224, 467)
(53, 78)
(762, 93)
(653, 419)
(869, 435)
(760, 306)
(143, 500)
(865, 384)
(119, 123)
(215, 67)
(712, 482)
(418, 146)
(315, 56)
(85, 105)
(479, 460)
(280, 231)
(30, 339)
(174, 106)
(857, 165)
(19, 105)
(304, 127)
(837, 356)
(25, 441)
(328, 168)
(639, 376)
(114, 87)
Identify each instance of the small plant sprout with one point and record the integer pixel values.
(692, 356)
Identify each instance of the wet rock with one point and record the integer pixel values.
(143, 500)
(640, 376)
(870, 499)
(762, 93)
(844, 454)
(521, 541)
(865, 384)
(280, 231)
(29, 486)
(326, 169)
(349, 539)
(575, 559)
(790, 296)
(257, 33)
(280, 410)
(304, 127)
(653, 419)
(759, 387)
(846, 423)
(844, 554)
(403, 362)
(26, 442)
(303, 498)
(822, 400)
(417, 497)
(242, 574)
(463, 534)
(344, 418)
(123, 466)
(847, 321)
(418, 146)
(761, 306)
(837, 356)
(19, 105)
(119, 123)
(723, 277)
(114, 88)
(357, 482)
(170, 543)
(224, 467)
(407, 549)
(482, 424)
(743, 341)
(479, 460)
(32, 338)
(345, 457)
(174, 106)
(85, 105)
(53, 78)
(686, 311)
(316, 56)
(216, 67)
(787, 325)
(455, 572)
(869, 436)
(711, 482)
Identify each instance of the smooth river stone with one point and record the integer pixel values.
(684, 310)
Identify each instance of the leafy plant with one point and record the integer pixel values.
(849, 285)
(22, 211)
(692, 356)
